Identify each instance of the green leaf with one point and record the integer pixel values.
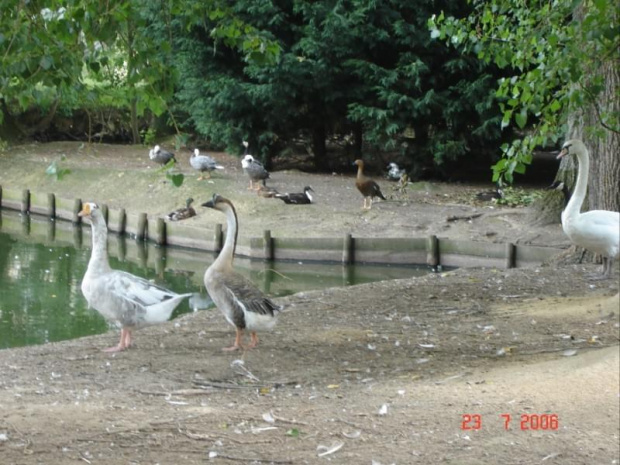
(520, 168)
(46, 62)
(293, 432)
(176, 179)
(521, 119)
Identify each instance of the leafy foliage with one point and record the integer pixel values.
(516, 197)
(551, 57)
(88, 53)
(353, 70)
(56, 170)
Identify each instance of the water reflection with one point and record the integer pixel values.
(42, 263)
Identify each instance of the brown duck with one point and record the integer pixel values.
(366, 186)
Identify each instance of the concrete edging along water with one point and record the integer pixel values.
(433, 251)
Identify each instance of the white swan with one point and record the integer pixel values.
(598, 230)
(129, 300)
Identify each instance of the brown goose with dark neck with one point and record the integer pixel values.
(244, 306)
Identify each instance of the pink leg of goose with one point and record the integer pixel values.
(123, 344)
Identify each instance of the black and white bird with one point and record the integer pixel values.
(490, 195)
(203, 164)
(161, 156)
(253, 168)
(302, 198)
(394, 172)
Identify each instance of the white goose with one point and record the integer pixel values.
(129, 300)
(244, 306)
(597, 230)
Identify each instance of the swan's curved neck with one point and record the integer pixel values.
(227, 254)
(581, 186)
(99, 255)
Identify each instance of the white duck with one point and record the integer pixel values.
(129, 300)
(394, 172)
(597, 230)
(244, 306)
(253, 168)
(203, 163)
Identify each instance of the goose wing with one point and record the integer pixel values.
(242, 294)
(131, 300)
(256, 171)
(203, 162)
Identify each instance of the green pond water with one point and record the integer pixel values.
(42, 263)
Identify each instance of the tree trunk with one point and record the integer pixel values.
(602, 142)
(319, 147)
(135, 132)
(604, 176)
(358, 141)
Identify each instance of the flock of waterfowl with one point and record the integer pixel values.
(134, 302)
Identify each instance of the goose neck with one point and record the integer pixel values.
(226, 256)
(99, 254)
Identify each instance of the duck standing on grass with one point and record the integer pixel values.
(161, 156)
(244, 306)
(368, 188)
(253, 168)
(126, 299)
(203, 164)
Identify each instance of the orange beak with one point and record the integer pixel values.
(85, 210)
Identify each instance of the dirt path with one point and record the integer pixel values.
(379, 373)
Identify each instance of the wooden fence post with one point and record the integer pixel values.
(348, 250)
(51, 205)
(25, 205)
(142, 227)
(51, 230)
(218, 238)
(105, 212)
(122, 221)
(432, 251)
(511, 255)
(77, 236)
(77, 208)
(0, 196)
(160, 237)
(267, 245)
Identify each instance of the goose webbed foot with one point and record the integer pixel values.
(253, 341)
(124, 343)
(237, 345)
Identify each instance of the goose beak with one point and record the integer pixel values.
(211, 203)
(208, 204)
(85, 211)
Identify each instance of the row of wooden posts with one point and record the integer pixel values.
(347, 249)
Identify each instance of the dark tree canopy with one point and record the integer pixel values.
(357, 71)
